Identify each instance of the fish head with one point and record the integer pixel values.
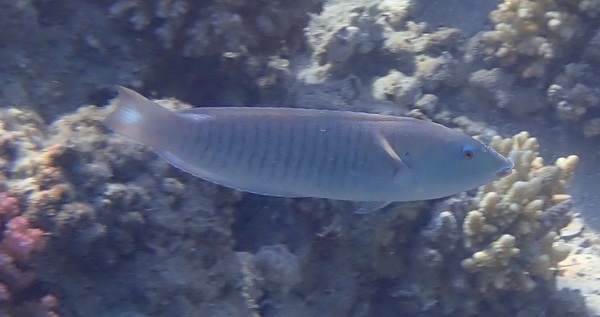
(475, 163)
(483, 160)
(454, 165)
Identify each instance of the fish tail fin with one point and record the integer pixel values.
(140, 119)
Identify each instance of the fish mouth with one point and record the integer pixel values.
(505, 170)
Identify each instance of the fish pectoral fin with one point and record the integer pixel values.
(385, 145)
(369, 206)
(399, 167)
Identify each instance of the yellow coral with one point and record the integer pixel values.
(516, 207)
(530, 34)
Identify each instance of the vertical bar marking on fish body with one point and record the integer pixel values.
(271, 153)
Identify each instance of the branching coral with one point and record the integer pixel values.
(554, 47)
(499, 245)
(531, 34)
(512, 230)
(575, 92)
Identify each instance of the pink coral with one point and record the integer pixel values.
(4, 293)
(9, 206)
(43, 307)
(19, 241)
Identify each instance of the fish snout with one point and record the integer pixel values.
(506, 169)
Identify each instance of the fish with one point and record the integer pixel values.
(375, 159)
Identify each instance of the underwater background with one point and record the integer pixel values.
(96, 225)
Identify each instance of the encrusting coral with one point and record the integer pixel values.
(247, 44)
(387, 58)
(213, 27)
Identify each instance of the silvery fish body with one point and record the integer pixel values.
(311, 153)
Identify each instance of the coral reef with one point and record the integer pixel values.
(272, 270)
(531, 35)
(463, 256)
(111, 207)
(579, 269)
(499, 86)
(39, 69)
(575, 93)
(17, 276)
(127, 234)
(247, 44)
(530, 205)
(494, 252)
(382, 28)
(550, 46)
(398, 88)
(198, 28)
(389, 59)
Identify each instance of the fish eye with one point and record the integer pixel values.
(468, 153)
